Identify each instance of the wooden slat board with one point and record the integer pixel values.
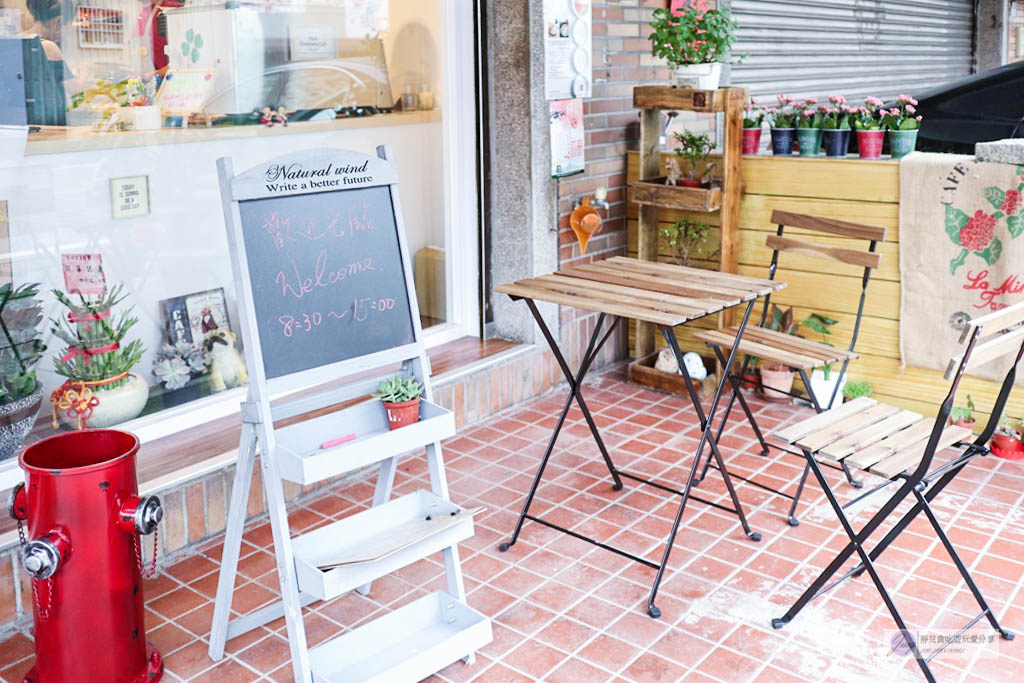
(795, 432)
(864, 419)
(915, 433)
(761, 350)
(896, 463)
(837, 450)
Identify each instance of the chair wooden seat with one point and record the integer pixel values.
(794, 352)
(868, 435)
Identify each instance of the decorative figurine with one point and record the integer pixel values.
(281, 116)
(266, 116)
(674, 172)
(227, 370)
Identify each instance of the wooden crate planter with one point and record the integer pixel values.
(642, 371)
(654, 192)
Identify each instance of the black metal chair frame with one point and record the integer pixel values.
(736, 380)
(924, 486)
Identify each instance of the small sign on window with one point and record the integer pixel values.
(129, 197)
(83, 274)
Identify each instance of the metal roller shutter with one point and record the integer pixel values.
(853, 47)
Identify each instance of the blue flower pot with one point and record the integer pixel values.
(835, 142)
(782, 141)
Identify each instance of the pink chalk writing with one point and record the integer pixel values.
(322, 275)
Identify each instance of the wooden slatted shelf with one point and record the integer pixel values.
(654, 192)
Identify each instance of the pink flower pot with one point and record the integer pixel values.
(869, 142)
(751, 140)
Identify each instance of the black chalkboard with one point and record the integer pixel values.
(327, 277)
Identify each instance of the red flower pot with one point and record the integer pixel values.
(686, 182)
(869, 142)
(402, 414)
(751, 140)
(751, 380)
(969, 424)
(1006, 446)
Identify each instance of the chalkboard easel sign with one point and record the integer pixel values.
(318, 246)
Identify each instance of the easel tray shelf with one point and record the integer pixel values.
(654, 192)
(408, 644)
(375, 542)
(302, 461)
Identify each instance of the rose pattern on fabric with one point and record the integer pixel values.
(977, 234)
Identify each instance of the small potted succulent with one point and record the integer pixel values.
(783, 122)
(401, 398)
(867, 121)
(776, 378)
(824, 381)
(963, 416)
(180, 368)
(693, 152)
(694, 40)
(857, 389)
(810, 116)
(835, 127)
(1006, 440)
(902, 123)
(21, 347)
(753, 117)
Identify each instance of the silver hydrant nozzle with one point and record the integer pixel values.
(41, 558)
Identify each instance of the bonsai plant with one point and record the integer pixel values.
(176, 366)
(753, 118)
(783, 121)
(693, 154)
(810, 116)
(868, 123)
(775, 376)
(823, 383)
(686, 237)
(21, 347)
(694, 40)
(856, 389)
(902, 122)
(1006, 440)
(835, 127)
(100, 390)
(401, 398)
(963, 416)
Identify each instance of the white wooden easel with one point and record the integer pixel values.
(421, 637)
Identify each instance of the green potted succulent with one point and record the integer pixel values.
(695, 41)
(835, 127)
(902, 123)
(401, 398)
(963, 416)
(867, 121)
(101, 390)
(21, 347)
(783, 124)
(179, 368)
(1006, 440)
(810, 116)
(824, 380)
(857, 389)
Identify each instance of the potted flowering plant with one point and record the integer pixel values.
(753, 117)
(694, 40)
(902, 122)
(835, 127)
(400, 397)
(867, 121)
(783, 121)
(1006, 440)
(808, 121)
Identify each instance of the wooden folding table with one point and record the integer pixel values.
(664, 295)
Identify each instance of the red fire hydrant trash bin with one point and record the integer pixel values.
(82, 550)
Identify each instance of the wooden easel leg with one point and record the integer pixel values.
(232, 541)
(381, 495)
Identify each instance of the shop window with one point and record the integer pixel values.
(123, 109)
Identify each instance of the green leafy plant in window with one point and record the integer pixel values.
(21, 344)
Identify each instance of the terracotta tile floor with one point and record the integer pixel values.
(566, 611)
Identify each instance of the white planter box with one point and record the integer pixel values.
(823, 388)
(408, 644)
(699, 76)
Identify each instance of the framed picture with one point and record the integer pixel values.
(190, 317)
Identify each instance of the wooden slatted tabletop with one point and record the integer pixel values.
(659, 293)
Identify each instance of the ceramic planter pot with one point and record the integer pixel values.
(16, 420)
(141, 118)
(687, 182)
(1005, 443)
(115, 406)
(782, 141)
(751, 380)
(403, 413)
(777, 380)
(902, 143)
(835, 142)
(751, 140)
(869, 143)
(969, 424)
(699, 76)
(823, 388)
(810, 141)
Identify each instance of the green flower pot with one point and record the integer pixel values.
(902, 142)
(810, 141)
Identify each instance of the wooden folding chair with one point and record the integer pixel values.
(797, 354)
(899, 446)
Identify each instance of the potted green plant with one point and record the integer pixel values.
(824, 380)
(695, 41)
(857, 389)
(401, 399)
(776, 378)
(685, 237)
(1006, 440)
(902, 123)
(867, 121)
(753, 118)
(180, 368)
(693, 152)
(101, 390)
(783, 121)
(835, 127)
(21, 347)
(963, 416)
(810, 116)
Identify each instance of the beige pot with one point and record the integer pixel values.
(115, 405)
(779, 380)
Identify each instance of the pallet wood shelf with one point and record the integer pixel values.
(650, 197)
